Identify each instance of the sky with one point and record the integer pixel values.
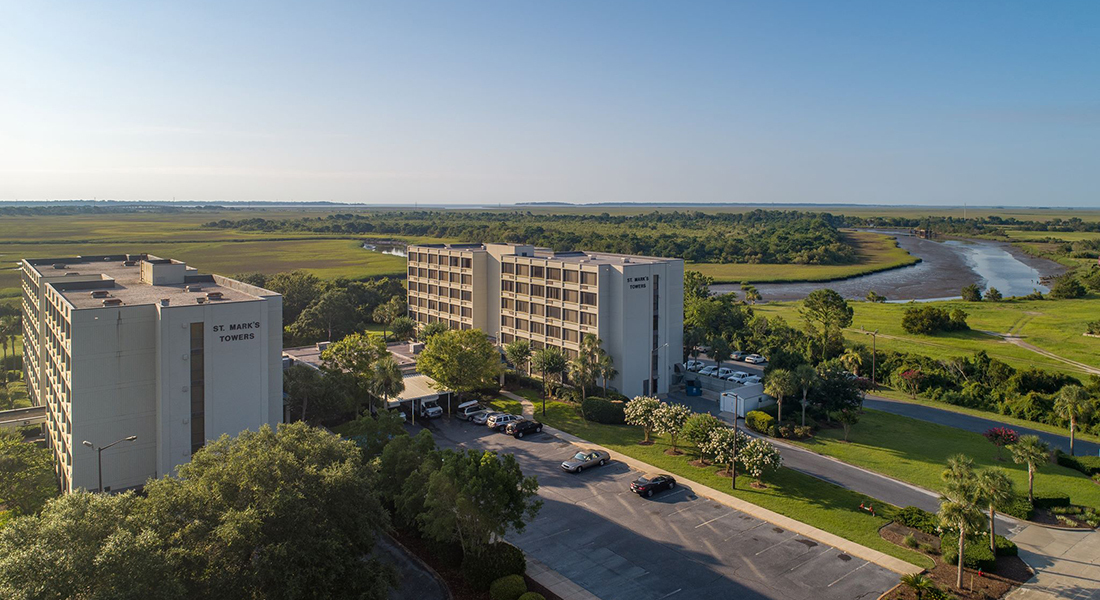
(499, 102)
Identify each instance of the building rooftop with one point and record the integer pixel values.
(98, 281)
(572, 256)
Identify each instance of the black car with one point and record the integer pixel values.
(518, 429)
(647, 485)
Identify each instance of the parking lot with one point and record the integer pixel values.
(617, 545)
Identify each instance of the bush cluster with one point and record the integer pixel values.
(603, 411)
(532, 596)
(761, 422)
(509, 587)
(496, 561)
(1020, 508)
(976, 553)
(928, 320)
(1049, 500)
(919, 519)
(1089, 465)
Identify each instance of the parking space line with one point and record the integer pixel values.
(670, 594)
(737, 533)
(557, 533)
(775, 545)
(713, 520)
(847, 574)
(679, 511)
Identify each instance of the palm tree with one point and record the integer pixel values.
(1031, 451)
(959, 503)
(518, 353)
(780, 383)
(606, 367)
(918, 582)
(997, 490)
(583, 372)
(303, 383)
(1073, 404)
(805, 376)
(4, 365)
(548, 362)
(386, 379)
(852, 360)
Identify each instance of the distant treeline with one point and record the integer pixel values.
(990, 225)
(759, 236)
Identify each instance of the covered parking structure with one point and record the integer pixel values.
(418, 389)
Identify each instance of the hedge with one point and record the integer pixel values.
(532, 596)
(509, 587)
(760, 422)
(603, 411)
(1019, 507)
(1048, 500)
(480, 570)
(1089, 465)
(919, 519)
(977, 554)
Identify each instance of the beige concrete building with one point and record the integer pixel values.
(635, 304)
(135, 345)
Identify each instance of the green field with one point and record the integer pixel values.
(790, 493)
(877, 253)
(1052, 325)
(1020, 235)
(917, 451)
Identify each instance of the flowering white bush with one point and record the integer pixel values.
(760, 457)
(669, 419)
(642, 411)
(721, 445)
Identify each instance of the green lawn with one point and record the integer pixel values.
(877, 252)
(505, 404)
(916, 451)
(1053, 325)
(790, 493)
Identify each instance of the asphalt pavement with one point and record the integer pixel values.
(597, 533)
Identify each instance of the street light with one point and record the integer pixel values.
(99, 455)
(874, 351)
(652, 382)
(736, 414)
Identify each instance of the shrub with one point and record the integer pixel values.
(495, 561)
(928, 320)
(1006, 547)
(603, 411)
(1089, 465)
(910, 541)
(919, 519)
(1019, 507)
(532, 596)
(509, 587)
(976, 552)
(761, 422)
(786, 431)
(1067, 286)
(803, 431)
(1049, 500)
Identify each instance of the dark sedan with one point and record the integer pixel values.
(647, 485)
(518, 429)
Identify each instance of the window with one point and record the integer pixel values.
(198, 387)
(538, 291)
(506, 338)
(467, 280)
(507, 321)
(537, 345)
(422, 272)
(455, 309)
(433, 274)
(443, 276)
(433, 289)
(553, 293)
(455, 278)
(522, 324)
(522, 288)
(554, 274)
(538, 309)
(467, 263)
(432, 305)
(507, 285)
(467, 312)
(455, 293)
(536, 328)
(570, 335)
(522, 270)
(537, 271)
(553, 312)
(569, 315)
(588, 319)
(454, 261)
(588, 298)
(571, 276)
(507, 268)
(422, 288)
(432, 259)
(570, 295)
(588, 278)
(412, 271)
(521, 306)
(507, 303)
(553, 331)
(467, 296)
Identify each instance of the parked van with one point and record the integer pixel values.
(430, 409)
(467, 410)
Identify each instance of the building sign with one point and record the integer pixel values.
(236, 332)
(637, 283)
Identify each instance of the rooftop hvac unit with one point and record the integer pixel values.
(214, 295)
(200, 299)
(321, 346)
(112, 301)
(100, 294)
(129, 263)
(165, 301)
(59, 265)
(194, 288)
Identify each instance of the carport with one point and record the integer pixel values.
(418, 389)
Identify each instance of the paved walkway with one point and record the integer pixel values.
(1066, 564)
(873, 556)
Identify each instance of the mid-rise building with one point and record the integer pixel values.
(634, 304)
(135, 345)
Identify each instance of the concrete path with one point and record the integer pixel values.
(870, 555)
(971, 423)
(415, 579)
(1066, 564)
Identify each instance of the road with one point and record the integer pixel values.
(598, 534)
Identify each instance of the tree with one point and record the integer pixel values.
(997, 491)
(373, 432)
(518, 352)
(910, 380)
(386, 313)
(1073, 404)
(403, 328)
(1031, 451)
(642, 411)
(475, 497)
(431, 329)
(852, 360)
(460, 360)
(399, 466)
(551, 364)
(1066, 287)
(86, 545)
(1001, 437)
(27, 477)
(825, 313)
(583, 367)
(846, 417)
(723, 446)
(873, 296)
(386, 380)
(779, 384)
(993, 295)
(606, 368)
(696, 286)
(669, 420)
(972, 293)
(349, 366)
(298, 288)
(919, 583)
(752, 295)
(806, 376)
(760, 457)
(302, 383)
(329, 315)
(959, 504)
(697, 430)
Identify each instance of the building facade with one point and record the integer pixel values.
(635, 304)
(135, 345)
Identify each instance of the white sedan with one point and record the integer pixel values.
(711, 370)
(755, 359)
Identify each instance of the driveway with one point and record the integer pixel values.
(616, 545)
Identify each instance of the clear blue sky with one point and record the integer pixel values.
(589, 101)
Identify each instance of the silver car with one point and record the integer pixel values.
(500, 420)
(584, 459)
(481, 417)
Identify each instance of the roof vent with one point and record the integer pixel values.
(129, 263)
(321, 346)
(59, 265)
(112, 301)
(214, 295)
(100, 294)
(200, 299)
(165, 301)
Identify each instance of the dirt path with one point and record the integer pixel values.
(1017, 340)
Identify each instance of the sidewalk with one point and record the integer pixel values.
(556, 583)
(873, 556)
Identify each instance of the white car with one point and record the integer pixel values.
(708, 370)
(500, 420)
(738, 355)
(724, 372)
(693, 365)
(755, 359)
(751, 379)
(737, 376)
(482, 417)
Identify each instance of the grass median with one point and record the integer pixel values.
(801, 497)
(916, 451)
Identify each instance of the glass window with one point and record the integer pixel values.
(454, 261)
(538, 291)
(570, 295)
(570, 335)
(537, 271)
(588, 319)
(569, 315)
(538, 309)
(506, 321)
(553, 293)
(571, 276)
(554, 274)
(507, 285)
(467, 296)
(536, 328)
(553, 312)
(521, 306)
(553, 331)
(507, 268)
(467, 312)
(467, 263)
(522, 324)
(433, 274)
(588, 298)
(433, 259)
(467, 280)
(507, 303)
(522, 270)
(588, 278)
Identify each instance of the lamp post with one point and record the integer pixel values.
(874, 353)
(736, 414)
(652, 381)
(99, 455)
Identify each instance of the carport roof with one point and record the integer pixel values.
(418, 387)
